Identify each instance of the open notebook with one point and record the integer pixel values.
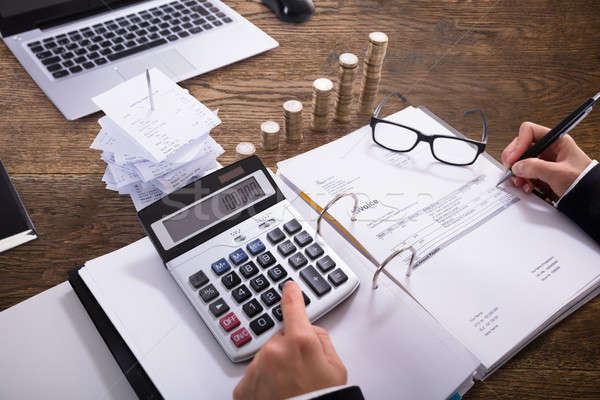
(391, 346)
(493, 266)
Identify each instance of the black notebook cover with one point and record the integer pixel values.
(132, 369)
(13, 216)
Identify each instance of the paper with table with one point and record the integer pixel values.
(493, 266)
(150, 153)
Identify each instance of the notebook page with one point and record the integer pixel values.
(488, 267)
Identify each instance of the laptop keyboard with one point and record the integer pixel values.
(87, 48)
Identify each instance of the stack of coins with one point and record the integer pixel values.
(322, 89)
(378, 42)
(348, 67)
(270, 135)
(244, 149)
(292, 114)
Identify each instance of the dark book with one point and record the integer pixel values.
(15, 226)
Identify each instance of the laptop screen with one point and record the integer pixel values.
(18, 16)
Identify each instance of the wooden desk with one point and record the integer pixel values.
(534, 60)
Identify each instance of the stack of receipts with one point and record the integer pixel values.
(153, 151)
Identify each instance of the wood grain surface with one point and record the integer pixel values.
(516, 60)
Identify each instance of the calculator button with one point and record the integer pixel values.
(266, 259)
(286, 248)
(303, 238)
(229, 322)
(275, 236)
(255, 247)
(249, 269)
(221, 266)
(238, 256)
(277, 273)
(241, 293)
(218, 308)
(262, 324)
(315, 281)
(277, 313)
(297, 260)
(231, 280)
(207, 293)
(337, 277)
(270, 297)
(314, 251)
(292, 226)
(241, 337)
(325, 264)
(259, 283)
(252, 308)
(199, 279)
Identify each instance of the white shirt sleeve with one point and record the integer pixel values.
(317, 393)
(580, 177)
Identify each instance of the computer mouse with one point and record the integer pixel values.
(291, 10)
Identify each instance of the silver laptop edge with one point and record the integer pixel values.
(182, 59)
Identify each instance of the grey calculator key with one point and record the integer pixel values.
(249, 269)
(262, 324)
(252, 308)
(199, 279)
(207, 293)
(241, 293)
(277, 273)
(325, 264)
(313, 251)
(218, 308)
(259, 283)
(292, 226)
(266, 259)
(270, 297)
(297, 260)
(275, 236)
(337, 277)
(286, 248)
(315, 281)
(303, 238)
(231, 280)
(278, 313)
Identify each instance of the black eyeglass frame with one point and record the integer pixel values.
(421, 137)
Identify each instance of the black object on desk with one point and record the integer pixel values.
(557, 132)
(15, 226)
(291, 10)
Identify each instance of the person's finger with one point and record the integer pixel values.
(528, 134)
(294, 311)
(508, 150)
(534, 168)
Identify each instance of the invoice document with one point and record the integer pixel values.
(493, 265)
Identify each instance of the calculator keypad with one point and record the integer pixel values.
(258, 294)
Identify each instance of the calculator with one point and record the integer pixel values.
(231, 240)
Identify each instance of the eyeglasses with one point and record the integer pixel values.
(447, 149)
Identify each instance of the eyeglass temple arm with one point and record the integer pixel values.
(380, 106)
(484, 128)
(390, 258)
(332, 202)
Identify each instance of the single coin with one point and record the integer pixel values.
(348, 60)
(378, 38)
(292, 106)
(323, 84)
(269, 127)
(246, 148)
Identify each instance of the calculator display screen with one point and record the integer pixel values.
(212, 209)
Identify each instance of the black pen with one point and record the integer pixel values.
(555, 133)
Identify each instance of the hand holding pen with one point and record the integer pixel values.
(560, 160)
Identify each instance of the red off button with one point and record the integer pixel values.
(241, 337)
(229, 322)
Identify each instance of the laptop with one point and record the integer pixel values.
(76, 49)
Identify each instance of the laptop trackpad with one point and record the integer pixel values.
(171, 62)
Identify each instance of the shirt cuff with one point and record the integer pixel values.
(580, 177)
(317, 393)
